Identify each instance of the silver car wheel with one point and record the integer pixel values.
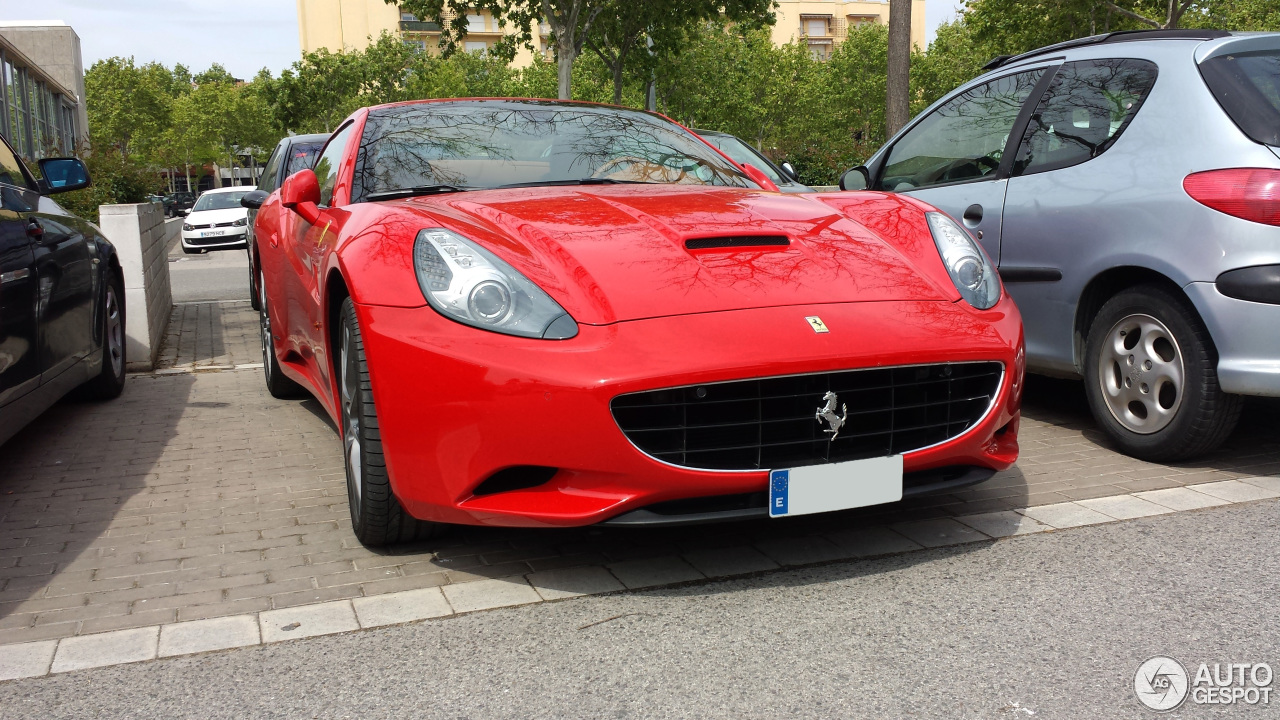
(264, 321)
(1141, 374)
(115, 333)
(350, 388)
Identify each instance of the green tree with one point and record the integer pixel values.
(128, 106)
(571, 23)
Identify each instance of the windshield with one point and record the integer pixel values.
(1247, 85)
(744, 154)
(219, 201)
(495, 143)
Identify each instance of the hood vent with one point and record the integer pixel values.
(737, 241)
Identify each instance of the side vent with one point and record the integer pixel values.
(736, 241)
(520, 477)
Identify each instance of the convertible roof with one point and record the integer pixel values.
(1115, 37)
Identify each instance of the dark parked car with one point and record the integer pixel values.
(61, 295)
(291, 155)
(178, 204)
(742, 153)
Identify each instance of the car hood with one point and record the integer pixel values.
(617, 253)
(214, 217)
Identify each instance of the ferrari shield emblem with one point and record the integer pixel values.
(816, 323)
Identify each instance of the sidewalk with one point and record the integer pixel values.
(197, 495)
(211, 336)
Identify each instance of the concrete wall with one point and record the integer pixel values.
(142, 239)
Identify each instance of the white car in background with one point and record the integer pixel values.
(217, 221)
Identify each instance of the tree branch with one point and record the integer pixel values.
(1134, 15)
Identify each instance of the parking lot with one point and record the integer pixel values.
(197, 495)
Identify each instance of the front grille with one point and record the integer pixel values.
(771, 423)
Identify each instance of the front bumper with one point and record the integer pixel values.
(1246, 339)
(235, 238)
(456, 404)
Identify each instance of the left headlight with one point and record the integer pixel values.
(242, 222)
(966, 263)
(466, 283)
(188, 227)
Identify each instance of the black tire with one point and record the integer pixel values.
(109, 383)
(376, 515)
(254, 301)
(1197, 417)
(278, 385)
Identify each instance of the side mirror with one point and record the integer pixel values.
(253, 199)
(59, 175)
(856, 179)
(759, 177)
(301, 194)
(791, 172)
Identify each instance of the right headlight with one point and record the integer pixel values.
(187, 227)
(466, 283)
(966, 263)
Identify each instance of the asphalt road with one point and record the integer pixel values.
(218, 275)
(1051, 625)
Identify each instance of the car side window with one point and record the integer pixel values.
(11, 168)
(1086, 107)
(330, 161)
(962, 140)
(267, 183)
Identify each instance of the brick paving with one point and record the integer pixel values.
(210, 335)
(196, 495)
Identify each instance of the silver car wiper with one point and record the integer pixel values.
(416, 190)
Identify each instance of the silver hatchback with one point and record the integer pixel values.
(1128, 188)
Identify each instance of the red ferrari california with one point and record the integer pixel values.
(535, 313)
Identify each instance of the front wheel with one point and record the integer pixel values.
(1151, 377)
(376, 515)
(109, 382)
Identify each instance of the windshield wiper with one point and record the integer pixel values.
(580, 181)
(412, 191)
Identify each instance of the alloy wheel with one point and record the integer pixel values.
(264, 321)
(350, 389)
(115, 332)
(1141, 374)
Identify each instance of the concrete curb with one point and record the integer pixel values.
(38, 659)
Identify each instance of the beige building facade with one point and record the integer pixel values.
(824, 24)
(351, 24)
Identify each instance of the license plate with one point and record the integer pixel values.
(837, 486)
(213, 233)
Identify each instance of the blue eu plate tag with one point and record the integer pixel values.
(779, 482)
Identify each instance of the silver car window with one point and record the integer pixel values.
(962, 140)
(1083, 112)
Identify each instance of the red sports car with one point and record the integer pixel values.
(535, 313)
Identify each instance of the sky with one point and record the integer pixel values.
(244, 35)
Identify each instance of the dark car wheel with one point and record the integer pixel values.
(277, 384)
(109, 383)
(254, 300)
(376, 515)
(1151, 377)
